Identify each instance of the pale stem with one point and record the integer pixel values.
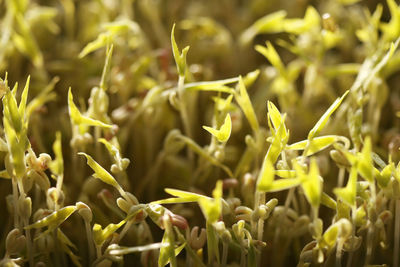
(224, 253)
(89, 240)
(396, 251)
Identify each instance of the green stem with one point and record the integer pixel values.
(396, 251)
(89, 241)
(184, 112)
(224, 254)
(15, 199)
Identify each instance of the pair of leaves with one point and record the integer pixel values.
(224, 132)
(78, 119)
(180, 58)
(211, 207)
(15, 126)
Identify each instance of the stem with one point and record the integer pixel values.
(224, 253)
(125, 229)
(29, 246)
(287, 203)
(243, 258)
(339, 247)
(260, 200)
(15, 199)
(184, 113)
(370, 238)
(89, 240)
(341, 177)
(60, 179)
(396, 235)
(353, 215)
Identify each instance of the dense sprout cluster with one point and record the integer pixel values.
(273, 140)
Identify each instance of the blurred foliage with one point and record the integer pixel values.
(273, 124)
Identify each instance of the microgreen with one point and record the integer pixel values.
(276, 137)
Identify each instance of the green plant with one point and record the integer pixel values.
(296, 161)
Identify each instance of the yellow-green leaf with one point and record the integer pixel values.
(76, 116)
(324, 119)
(266, 176)
(217, 86)
(57, 165)
(17, 149)
(365, 164)
(100, 235)
(348, 193)
(101, 173)
(180, 58)
(224, 132)
(311, 183)
(24, 98)
(283, 184)
(212, 207)
(271, 23)
(245, 104)
(270, 53)
(53, 220)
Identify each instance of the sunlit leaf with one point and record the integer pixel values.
(224, 132)
(16, 149)
(101, 41)
(327, 201)
(270, 53)
(180, 58)
(348, 193)
(299, 26)
(317, 143)
(100, 235)
(101, 173)
(77, 118)
(212, 207)
(266, 176)
(283, 184)
(57, 165)
(245, 104)
(217, 86)
(271, 23)
(365, 164)
(324, 118)
(53, 220)
(391, 30)
(311, 183)
(24, 98)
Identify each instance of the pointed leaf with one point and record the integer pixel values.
(365, 165)
(180, 58)
(266, 176)
(270, 53)
(245, 104)
(76, 116)
(312, 184)
(100, 172)
(24, 98)
(53, 220)
(57, 165)
(324, 119)
(224, 132)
